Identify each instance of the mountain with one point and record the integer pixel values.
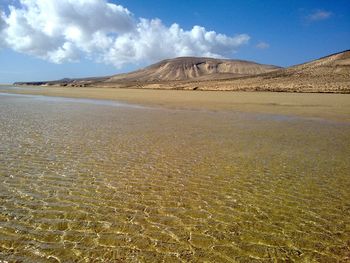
(176, 69)
(188, 68)
(327, 74)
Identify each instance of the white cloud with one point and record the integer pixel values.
(319, 15)
(262, 45)
(153, 41)
(67, 30)
(2, 27)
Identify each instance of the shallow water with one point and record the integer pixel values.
(87, 181)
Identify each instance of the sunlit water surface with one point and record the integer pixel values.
(97, 181)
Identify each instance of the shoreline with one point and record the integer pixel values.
(163, 87)
(332, 106)
(192, 86)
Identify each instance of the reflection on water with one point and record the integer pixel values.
(91, 183)
(73, 100)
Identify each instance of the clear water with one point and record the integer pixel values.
(87, 181)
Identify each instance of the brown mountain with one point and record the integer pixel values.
(176, 69)
(327, 74)
(187, 68)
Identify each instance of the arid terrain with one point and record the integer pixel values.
(328, 74)
(193, 68)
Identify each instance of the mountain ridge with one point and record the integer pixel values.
(188, 68)
(176, 69)
(330, 73)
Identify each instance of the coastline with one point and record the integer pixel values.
(313, 105)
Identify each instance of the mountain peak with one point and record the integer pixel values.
(188, 68)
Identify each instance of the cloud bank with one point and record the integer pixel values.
(69, 30)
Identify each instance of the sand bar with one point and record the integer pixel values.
(314, 105)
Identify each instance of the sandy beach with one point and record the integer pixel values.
(313, 105)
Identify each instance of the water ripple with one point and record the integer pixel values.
(82, 181)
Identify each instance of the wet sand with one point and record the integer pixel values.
(85, 180)
(326, 106)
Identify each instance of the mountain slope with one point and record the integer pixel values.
(327, 74)
(187, 68)
(333, 65)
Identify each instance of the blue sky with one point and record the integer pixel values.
(104, 39)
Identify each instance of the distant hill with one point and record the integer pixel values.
(327, 74)
(176, 69)
(188, 68)
(332, 66)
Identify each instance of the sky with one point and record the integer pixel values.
(54, 39)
